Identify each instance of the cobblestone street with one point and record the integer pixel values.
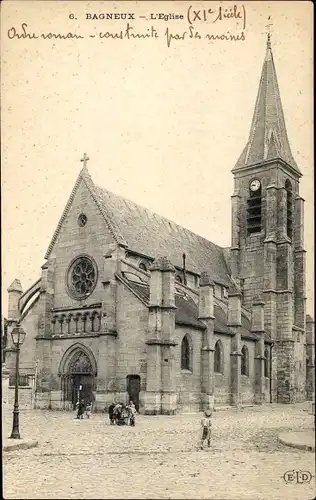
(158, 458)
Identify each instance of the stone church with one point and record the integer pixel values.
(130, 305)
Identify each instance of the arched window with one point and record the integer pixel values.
(143, 266)
(186, 353)
(254, 208)
(244, 361)
(218, 357)
(289, 208)
(178, 278)
(266, 363)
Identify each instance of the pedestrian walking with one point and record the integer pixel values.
(133, 413)
(81, 408)
(88, 410)
(206, 424)
(111, 413)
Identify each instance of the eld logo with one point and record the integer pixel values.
(297, 477)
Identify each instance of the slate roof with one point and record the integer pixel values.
(268, 138)
(187, 313)
(150, 234)
(153, 235)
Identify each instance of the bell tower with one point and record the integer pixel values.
(267, 252)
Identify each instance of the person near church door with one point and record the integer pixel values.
(111, 413)
(81, 409)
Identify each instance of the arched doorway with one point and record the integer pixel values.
(78, 372)
(133, 389)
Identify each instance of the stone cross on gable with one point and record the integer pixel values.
(85, 159)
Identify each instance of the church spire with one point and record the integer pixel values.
(268, 138)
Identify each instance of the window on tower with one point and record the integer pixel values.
(254, 208)
(289, 208)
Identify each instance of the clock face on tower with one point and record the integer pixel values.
(255, 185)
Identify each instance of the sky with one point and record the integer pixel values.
(163, 126)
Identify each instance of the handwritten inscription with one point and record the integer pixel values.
(214, 15)
(130, 33)
(192, 33)
(210, 25)
(25, 34)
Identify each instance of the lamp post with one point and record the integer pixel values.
(18, 336)
(79, 392)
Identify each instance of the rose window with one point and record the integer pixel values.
(82, 277)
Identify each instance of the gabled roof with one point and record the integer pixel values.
(85, 177)
(150, 234)
(268, 138)
(153, 235)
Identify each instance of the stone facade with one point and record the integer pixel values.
(130, 305)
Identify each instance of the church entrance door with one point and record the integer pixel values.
(79, 381)
(133, 389)
(82, 388)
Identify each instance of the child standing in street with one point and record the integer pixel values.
(88, 410)
(133, 413)
(206, 424)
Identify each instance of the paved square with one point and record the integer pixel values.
(159, 458)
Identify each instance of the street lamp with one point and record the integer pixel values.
(18, 336)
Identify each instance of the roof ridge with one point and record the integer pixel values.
(63, 216)
(86, 178)
(162, 217)
(114, 229)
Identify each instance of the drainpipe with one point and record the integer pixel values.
(184, 269)
(271, 371)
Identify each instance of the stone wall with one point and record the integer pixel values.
(222, 381)
(248, 382)
(132, 322)
(26, 397)
(93, 239)
(28, 349)
(300, 367)
(188, 382)
(285, 371)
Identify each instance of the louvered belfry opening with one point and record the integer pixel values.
(254, 203)
(289, 208)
